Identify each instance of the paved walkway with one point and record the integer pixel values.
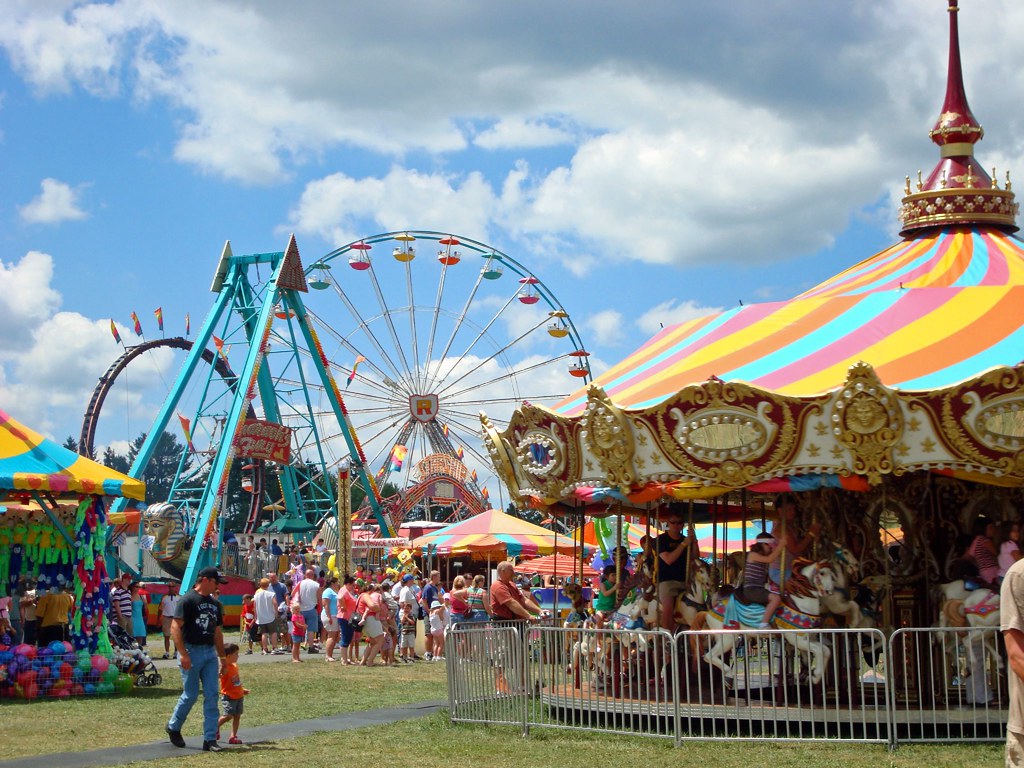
(267, 733)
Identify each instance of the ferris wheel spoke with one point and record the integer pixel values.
(437, 307)
(417, 378)
(389, 320)
(512, 375)
(494, 355)
(381, 386)
(363, 326)
(482, 333)
(457, 325)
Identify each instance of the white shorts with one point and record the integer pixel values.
(330, 623)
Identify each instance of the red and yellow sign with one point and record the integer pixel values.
(264, 440)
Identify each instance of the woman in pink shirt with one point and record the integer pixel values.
(350, 638)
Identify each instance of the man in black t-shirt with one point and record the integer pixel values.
(673, 551)
(199, 640)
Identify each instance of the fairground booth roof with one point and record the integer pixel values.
(908, 361)
(31, 464)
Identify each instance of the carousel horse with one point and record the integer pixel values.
(696, 597)
(961, 607)
(841, 601)
(800, 610)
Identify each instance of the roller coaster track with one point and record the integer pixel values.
(86, 441)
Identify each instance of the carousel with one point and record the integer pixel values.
(886, 405)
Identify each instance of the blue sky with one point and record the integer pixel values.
(648, 163)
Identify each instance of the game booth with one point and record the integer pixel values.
(53, 525)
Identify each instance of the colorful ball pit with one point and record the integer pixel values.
(58, 671)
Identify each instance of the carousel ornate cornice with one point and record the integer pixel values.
(729, 435)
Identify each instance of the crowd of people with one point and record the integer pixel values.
(366, 618)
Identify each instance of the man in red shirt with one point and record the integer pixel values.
(508, 603)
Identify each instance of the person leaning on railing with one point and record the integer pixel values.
(508, 602)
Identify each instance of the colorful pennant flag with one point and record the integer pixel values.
(186, 427)
(188, 324)
(398, 455)
(138, 325)
(460, 453)
(159, 312)
(444, 429)
(219, 344)
(473, 475)
(355, 365)
(113, 331)
(485, 494)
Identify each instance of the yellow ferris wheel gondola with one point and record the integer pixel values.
(557, 327)
(404, 252)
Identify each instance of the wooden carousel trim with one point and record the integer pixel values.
(730, 435)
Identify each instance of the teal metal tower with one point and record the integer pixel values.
(264, 410)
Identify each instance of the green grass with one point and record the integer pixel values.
(284, 692)
(434, 742)
(280, 692)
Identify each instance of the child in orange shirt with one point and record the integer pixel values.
(232, 694)
(248, 626)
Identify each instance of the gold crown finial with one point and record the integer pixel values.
(907, 188)
(920, 184)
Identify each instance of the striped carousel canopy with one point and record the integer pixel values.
(496, 533)
(925, 313)
(30, 462)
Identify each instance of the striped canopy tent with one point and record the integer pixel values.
(495, 533)
(31, 463)
(556, 565)
(726, 538)
(926, 313)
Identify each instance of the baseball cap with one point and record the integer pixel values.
(408, 577)
(435, 604)
(212, 573)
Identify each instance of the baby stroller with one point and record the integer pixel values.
(131, 659)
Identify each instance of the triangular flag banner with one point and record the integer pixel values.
(473, 475)
(219, 344)
(485, 493)
(398, 455)
(113, 331)
(460, 453)
(355, 365)
(138, 325)
(444, 429)
(159, 312)
(186, 427)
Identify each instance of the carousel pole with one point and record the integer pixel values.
(743, 503)
(714, 538)
(689, 555)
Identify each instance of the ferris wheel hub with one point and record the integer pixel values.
(423, 407)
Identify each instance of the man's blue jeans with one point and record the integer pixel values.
(205, 670)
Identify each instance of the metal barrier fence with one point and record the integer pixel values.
(827, 684)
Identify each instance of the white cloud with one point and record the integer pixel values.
(27, 299)
(517, 133)
(671, 312)
(56, 202)
(331, 206)
(607, 328)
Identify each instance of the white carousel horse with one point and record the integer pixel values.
(840, 602)
(971, 608)
(801, 610)
(696, 597)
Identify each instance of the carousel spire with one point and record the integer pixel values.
(959, 190)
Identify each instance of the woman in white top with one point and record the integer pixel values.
(1009, 549)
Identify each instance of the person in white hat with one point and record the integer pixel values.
(438, 621)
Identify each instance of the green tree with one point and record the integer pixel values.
(115, 460)
(71, 444)
(162, 469)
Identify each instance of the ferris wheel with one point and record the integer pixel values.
(424, 330)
